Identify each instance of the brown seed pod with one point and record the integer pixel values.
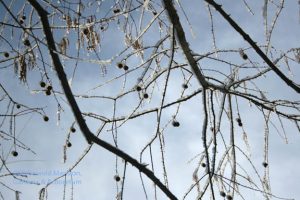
(49, 87)
(18, 106)
(69, 144)
(245, 57)
(265, 164)
(48, 92)
(6, 54)
(229, 197)
(243, 54)
(222, 194)
(203, 164)
(126, 68)
(146, 96)
(138, 88)
(14, 153)
(46, 118)
(117, 178)
(72, 129)
(85, 31)
(185, 86)
(42, 84)
(175, 123)
(26, 42)
(117, 10)
(120, 65)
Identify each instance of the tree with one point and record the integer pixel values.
(123, 66)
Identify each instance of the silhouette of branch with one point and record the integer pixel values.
(254, 45)
(76, 111)
(174, 18)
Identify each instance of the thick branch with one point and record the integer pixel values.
(174, 18)
(76, 111)
(253, 44)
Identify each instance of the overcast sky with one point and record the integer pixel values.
(93, 177)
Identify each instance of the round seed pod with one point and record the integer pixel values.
(120, 65)
(125, 67)
(42, 84)
(146, 96)
(48, 92)
(265, 164)
(85, 31)
(117, 10)
(69, 144)
(222, 194)
(14, 153)
(49, 87)
(72, 129)
(185, 86)
(26, 42)
(175, 123)
(6, 54)
(46, 118)
(117, 178)
(138, 88)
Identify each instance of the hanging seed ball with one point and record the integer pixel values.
(185, 86)
(42, 84)
(46, 118)
(48, 92)
(117, 178)
(138, 88)
(85, 31)
(69, 144)
(146, 96)
(117, 10)
(126, 67)
(49, 87)
(244, 56)
(6, 54)
(18, 106)
(120, 65)
(229, 197)
(21, 21)
(265, 164)
(14, 153)
(102, 27)
(223, 194)
(238, 120)
(154, 13)
(23, 17)
(203, 164)
(73, 130)
(26, 42)
(175, 123)
(240, 124)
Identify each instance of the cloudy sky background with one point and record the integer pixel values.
(95, 173)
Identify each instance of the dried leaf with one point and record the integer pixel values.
(42, 194)
(22, 68)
